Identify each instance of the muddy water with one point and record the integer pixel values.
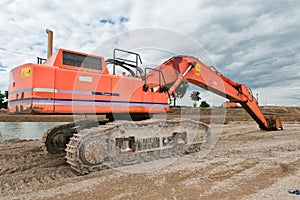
(24, 130)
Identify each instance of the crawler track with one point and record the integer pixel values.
(125, 143)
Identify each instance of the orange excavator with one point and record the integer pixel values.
(73, 82)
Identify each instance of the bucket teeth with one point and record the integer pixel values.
(274, 122)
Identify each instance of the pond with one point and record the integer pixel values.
(24, 130)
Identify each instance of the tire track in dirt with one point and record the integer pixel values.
(24, 165)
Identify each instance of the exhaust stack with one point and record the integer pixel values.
(50, 42)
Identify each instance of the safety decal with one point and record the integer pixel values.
(26, 72)
(198, 69)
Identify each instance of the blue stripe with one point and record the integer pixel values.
(52, 101)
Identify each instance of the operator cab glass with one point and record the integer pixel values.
(79, 60)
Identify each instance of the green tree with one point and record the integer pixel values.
(204, 104)
(195, 97)
(3, 99)
(6, 94)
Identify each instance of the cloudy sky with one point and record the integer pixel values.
(252, 42)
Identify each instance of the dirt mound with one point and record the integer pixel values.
(237, 114)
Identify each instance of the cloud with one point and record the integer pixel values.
(252, 42)
(2, 67)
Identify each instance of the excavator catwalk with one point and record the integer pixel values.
(73, 82)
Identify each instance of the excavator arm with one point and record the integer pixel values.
(180, 68)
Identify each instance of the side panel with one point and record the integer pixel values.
(159, 102)
(79, 91)
(86, 92)
(131, 98)
(43, 89)
(20, 89)
(31, 89)
(47, 89)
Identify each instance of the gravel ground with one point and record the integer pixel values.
(246, 163)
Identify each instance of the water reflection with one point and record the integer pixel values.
(24, 130)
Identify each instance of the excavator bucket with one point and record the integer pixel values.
(274, 122)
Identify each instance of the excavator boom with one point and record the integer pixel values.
(180, 68)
